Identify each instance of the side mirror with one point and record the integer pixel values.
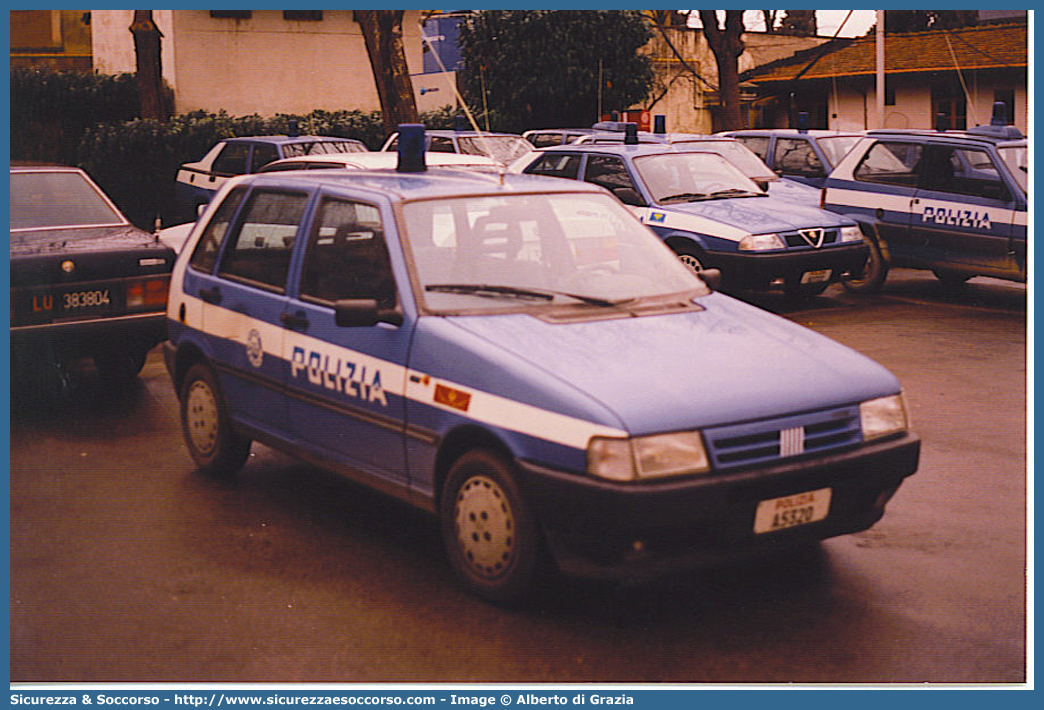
(711, 277)
(629, 196)
(364, 313)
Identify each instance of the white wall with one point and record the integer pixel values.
(264, 64)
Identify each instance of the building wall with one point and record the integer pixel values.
(264, 64)
(690, 103)
(853, 104)
(58, 39)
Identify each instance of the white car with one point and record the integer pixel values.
(379, 161)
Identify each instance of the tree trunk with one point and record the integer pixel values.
(149, 65)
(727, 46)
(382, 30)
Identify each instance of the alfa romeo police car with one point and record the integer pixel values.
(524, 359)
(954, 202)
(714, 216)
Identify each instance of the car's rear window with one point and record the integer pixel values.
(48, 199)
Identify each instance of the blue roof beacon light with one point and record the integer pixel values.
(630, 134)
(1000, 114)
(802, 122)
(998, 127)
(459, 123)
(659, 123)
(411, 148)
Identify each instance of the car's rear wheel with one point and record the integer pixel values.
(491, 537)
(214, 445)
(874, 273)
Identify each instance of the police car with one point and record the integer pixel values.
(802, 155)
(522, 358)
(713, 216)
(198, 181)
(954, 202)
(502, 147)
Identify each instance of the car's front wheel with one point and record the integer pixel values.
(213, 444)
(874, 273)
(491, 537)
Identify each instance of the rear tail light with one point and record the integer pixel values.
(148, 294)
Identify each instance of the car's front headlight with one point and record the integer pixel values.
(851, 234)
(647, 456)
(883, 417)
(761, 242)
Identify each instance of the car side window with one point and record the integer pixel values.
(758, 144)
(542, 140)
(607, 171)
(962, 171)
(441, 144)
(890, 163)
(347, 257)
(232, 160)
(563, 165)
(796, 156)
(204, 257)
(261, 244)
(263, 153)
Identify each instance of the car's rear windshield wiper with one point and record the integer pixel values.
(519, 292)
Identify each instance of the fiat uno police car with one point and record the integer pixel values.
(714, 216)
(524, 359)
(954, 202)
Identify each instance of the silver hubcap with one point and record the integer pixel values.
(201, 417)
(692, 262)
(485, 526)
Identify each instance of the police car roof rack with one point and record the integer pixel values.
(411, 148)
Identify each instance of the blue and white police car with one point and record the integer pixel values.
(714, 216)
(953, 202)
(198, 181)
(524, 359)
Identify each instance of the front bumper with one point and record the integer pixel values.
(758, 271)
(602, 529)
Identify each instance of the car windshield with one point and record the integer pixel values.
(1017, 159)
(736, 153)
(837, 147)
(503, 148)
(496, 253)
(292, 150)
(692, 176)
(57, 198)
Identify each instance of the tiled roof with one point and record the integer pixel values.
(985, 47)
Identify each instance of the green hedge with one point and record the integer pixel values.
(91, 120)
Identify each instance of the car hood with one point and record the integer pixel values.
(730, 362)
(793, 191)
(83, 239)
(761, 215)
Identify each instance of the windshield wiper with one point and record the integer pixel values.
(518, 292)
(689, 196)
(734, 192)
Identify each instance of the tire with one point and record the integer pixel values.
(491, 537)
(874, 274)
(215, 447)
(691, 257)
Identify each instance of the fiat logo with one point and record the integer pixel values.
(68, 266)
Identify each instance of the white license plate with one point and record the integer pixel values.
(815, 277)
(790, 511)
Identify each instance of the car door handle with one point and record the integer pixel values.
(210, 295)
(294, 321)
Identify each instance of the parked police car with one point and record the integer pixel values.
(713, 216)
(524, 359)
(198, 181)
(954, 202)
(802, 155)
(84, 281)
